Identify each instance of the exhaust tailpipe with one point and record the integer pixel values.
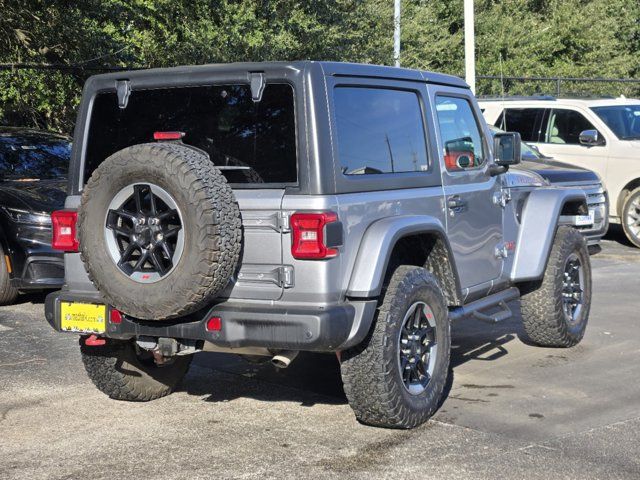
(284, 358)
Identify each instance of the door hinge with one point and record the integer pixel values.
(257, 82)
(501, 198)
(123, 90)
(283, 222)
(285, 276)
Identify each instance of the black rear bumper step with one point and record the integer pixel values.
(292, 328)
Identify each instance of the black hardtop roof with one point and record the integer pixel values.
(329, 68)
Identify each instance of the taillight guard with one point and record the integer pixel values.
(65, 235)
(309, 235)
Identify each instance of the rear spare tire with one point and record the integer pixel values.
(159, 230)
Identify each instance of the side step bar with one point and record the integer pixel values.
(475, 308)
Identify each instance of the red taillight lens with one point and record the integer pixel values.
(115, 316)
(214, 324)
(309, 235)
(64, 230)
(168, 135)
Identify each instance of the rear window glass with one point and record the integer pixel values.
(253, 142)
(379, 131)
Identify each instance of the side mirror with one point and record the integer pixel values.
(507, 149)
(591, 138)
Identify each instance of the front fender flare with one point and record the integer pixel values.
(376, 247)
(538, 224)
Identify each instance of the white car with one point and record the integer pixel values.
(602, 135)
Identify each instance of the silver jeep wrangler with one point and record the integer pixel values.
(266, 209)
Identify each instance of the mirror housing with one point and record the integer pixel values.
(591, 138)
(507, 148)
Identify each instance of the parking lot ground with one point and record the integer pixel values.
(512, 410)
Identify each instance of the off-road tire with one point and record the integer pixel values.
(370, 373)
(8, 293)
(541, 303)
(119, 372)
(627, 205)
(211, 224)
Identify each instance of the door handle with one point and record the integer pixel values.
(456, 204)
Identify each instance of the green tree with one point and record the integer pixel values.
(588, 38)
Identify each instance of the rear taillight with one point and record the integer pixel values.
(214, 324)
(64, 230)
(309, 234)
(115, 316)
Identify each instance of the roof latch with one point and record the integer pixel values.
(257, 85)
(123, 89)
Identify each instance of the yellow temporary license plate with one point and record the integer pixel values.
(82, 317)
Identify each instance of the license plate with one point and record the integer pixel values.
(83, 317)
(582, 220)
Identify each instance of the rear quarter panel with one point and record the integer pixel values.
(326, 281)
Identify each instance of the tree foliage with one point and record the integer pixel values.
(589, 38)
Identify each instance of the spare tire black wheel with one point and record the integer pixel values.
(159, 230)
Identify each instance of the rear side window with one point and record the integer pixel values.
(253, 142)
(459, 133)
(526, 121)
(379, 131)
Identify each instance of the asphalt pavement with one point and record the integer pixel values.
(512, 410)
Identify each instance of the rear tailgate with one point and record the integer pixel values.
(261, 275)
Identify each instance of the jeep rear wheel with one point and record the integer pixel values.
(555, 310)
(122, 371)
(396, 377)
(159, 230)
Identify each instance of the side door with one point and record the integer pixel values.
(560, 140)
(474, 217)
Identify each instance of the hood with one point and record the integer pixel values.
(523, 178)
(36, 196)
(558, 172)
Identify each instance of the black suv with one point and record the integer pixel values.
(33, 180)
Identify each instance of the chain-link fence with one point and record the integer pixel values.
(496, 86)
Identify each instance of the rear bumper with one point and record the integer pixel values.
(287, 327)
